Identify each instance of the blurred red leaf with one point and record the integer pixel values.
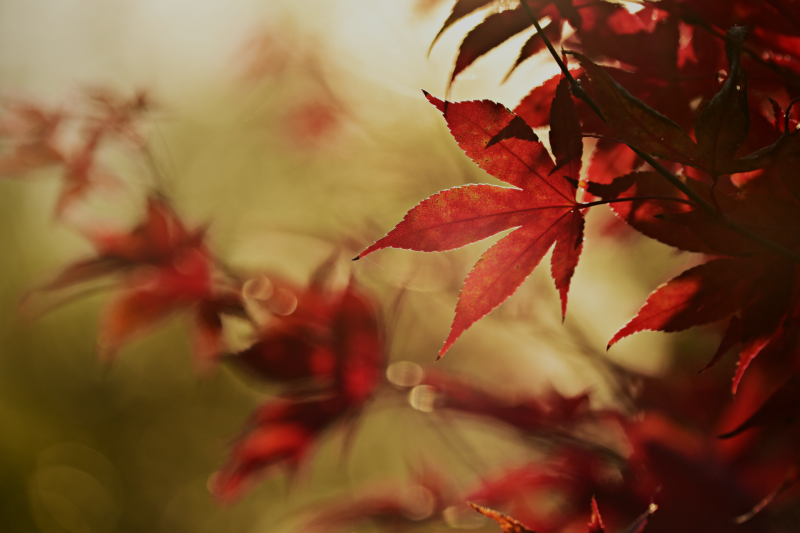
(281, 432)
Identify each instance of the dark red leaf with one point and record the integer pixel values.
(535, 107)
(490, 33)
(610, 160)
(635, 123)
(461, 9)
(652, 217)
(701, 295)
(535, 44)
(781, 407)
(762, 319)
(566, 140)
(723, 122)
(732, 337)
(566, 254)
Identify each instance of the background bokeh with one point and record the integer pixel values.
(291, 128)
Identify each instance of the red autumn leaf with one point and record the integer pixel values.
(156, 243)
(535, 107)
(762, 319)
(701, 295)
(535, 44)
(113, 115)
(309, 123)
(487, 35)
(634, 122)
(610, 160)
(282, 433)
(461, 9)
(653, 209)
(507, 524)
(152, 295)
(781, 407)
(166, 269)
(543, 208)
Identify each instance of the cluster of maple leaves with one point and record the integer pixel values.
(692, 107)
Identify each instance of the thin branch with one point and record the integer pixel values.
(577, 89)
(579, 92)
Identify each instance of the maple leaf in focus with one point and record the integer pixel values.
(541, 206)
(165, 268)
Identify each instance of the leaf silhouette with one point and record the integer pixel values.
(636, 123)
(703, 294)
(723, 122)
(461, 9)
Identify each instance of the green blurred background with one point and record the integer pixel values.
(291, 128)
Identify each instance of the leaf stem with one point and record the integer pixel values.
(675, 180)
(579, 92)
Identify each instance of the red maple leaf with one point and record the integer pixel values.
(541, 206)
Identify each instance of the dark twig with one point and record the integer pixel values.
(579, 92)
